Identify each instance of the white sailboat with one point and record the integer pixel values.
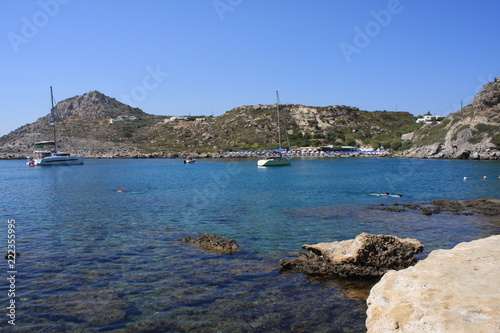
(275, 157)
(44, 157)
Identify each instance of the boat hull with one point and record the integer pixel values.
(59, 160)
(274, 162)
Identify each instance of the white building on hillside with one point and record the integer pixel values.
(427, 119)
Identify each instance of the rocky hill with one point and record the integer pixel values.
(78, 119)
(84, 127)
(473, 132)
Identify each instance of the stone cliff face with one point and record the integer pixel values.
(486, 104)
(312, 119)
(471, 133)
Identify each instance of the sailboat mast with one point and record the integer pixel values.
(53, 117)
(278, 112)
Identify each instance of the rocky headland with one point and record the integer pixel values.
(455, 290)
(470, 133)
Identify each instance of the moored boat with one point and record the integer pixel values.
(46, 157)
(189, 160)
(275, 157)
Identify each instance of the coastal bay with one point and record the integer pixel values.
(94, 258)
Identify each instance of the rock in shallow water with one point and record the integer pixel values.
(214, 243)
(455, 290)
(366, 255)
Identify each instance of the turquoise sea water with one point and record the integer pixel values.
(94, 259)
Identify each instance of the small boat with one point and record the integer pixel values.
(52, 157)
(189, 160)
(44, 157)
(275, 157)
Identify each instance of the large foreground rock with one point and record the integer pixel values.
(366, 255)
(455, 290)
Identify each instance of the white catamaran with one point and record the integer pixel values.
(275, 157)
(44, 157)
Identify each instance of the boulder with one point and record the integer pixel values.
(455, 290)
(366, 255)
(214, 243)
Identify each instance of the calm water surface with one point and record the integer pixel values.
(94, 259)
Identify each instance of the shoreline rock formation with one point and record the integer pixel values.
(455, 290)
(366, 256)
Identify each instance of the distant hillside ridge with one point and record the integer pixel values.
(84, 126)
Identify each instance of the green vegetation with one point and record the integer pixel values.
(496, 140)
(480, 131)
(432, 133)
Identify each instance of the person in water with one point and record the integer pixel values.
(387, 194)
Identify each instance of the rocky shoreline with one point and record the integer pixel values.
(184, 154)
(455, 290)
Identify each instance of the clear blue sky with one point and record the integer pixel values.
(181, 57)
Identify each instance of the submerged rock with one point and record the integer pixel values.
(215, 243)
(485, 206)
(366, 255)
(455, 290)
(488, 207)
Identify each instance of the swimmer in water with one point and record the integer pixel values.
(380, 194)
